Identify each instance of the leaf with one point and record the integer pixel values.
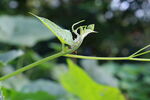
(22, 31)
(44, 85)
(80, 84)
(84, 30)
(15, 95)
(63, 35)
(10, 55)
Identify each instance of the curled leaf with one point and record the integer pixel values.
(84, 30)
(91, 26)
(87, 30)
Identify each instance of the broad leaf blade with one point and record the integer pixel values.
(16, 95)
(63, 35)
(22, 31)
(9, 56)
(80, 84)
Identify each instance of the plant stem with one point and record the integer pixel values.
(32, 65)
(62, 53)
(66, 54)
(96, 58)
(139, 59)
(143, 53)
(106, 58)
(140, 50)
(36, 63)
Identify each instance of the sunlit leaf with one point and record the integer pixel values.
(80, 84)
(63, 35)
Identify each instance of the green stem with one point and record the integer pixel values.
(66, 53)
(32, 65)
(143, 53)
(37, 63)
(140, 59)
(40, 62)
(140, 50)
(96, 58)
(106, 58)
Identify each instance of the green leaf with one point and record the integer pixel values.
(9, 56)
(80, 84)
(22, 31)
(65, 36)
(85, 30)
(91, 27)
(14, 95)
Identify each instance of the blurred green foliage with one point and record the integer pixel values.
(23, 31)
(13, 95)
(133, 79)
(8, 56)
(123, 26)
(78, 82)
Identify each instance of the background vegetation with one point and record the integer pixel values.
(123, 27)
